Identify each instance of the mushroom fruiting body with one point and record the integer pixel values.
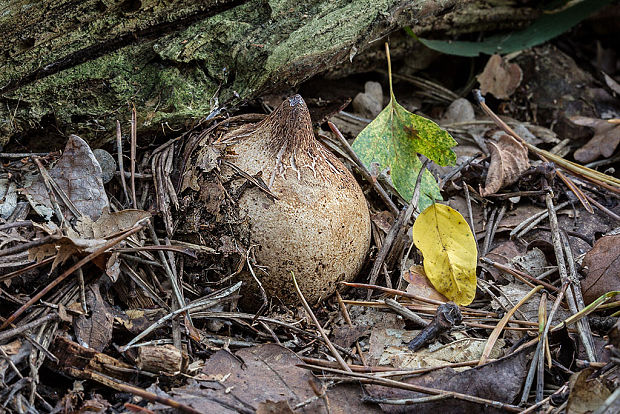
(318, 224)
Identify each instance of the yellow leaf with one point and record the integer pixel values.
(449, 249)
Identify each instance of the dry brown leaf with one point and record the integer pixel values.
(383, 220)
(346, 335)
(586, 393)
(500, 78)
(88, 238)
(64, 247)
(604, 142)
(420, 285)
(78, 174)
(109, 223)
(508, 161)
(602, 268)
(95, 329)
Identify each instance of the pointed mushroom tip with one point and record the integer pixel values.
(296, 100)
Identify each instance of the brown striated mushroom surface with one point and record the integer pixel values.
(318, 226)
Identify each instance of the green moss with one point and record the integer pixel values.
(224, 59)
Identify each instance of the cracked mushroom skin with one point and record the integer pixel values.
(317, 227)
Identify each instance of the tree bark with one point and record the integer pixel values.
(78, 66)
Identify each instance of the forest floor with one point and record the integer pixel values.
(113, 308)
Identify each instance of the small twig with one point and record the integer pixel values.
(257, 183)
(81, 284)
(207, 302)
(263, 294)
(21, 329)
(526, 225)
(536, 406)
(559, 250)
(25, 246)
(597, 304)
(20, 155)
(18, 272)
(406, 313)
(119, 151)
(393, 292)
(540, 366)
(237, 315)
(443, 180)
(11, 364)
(121, 386)
(470, 215)
(404, 401)
(50, 192)
(603, 208)
(496, 218)
(320, 393)
(488, 347)
(347, 318)
(135, 277)
(363, 170)
(134, 143)
(503, 196)
(24, 223)
(174, 283)
(385, 248)
(59, 191)
(169, 248)
(138, 176)
(524, 277)
(329, 344)
(575, 296)
(541, 340)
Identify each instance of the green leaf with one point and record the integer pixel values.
(394, 139)
(546, 27)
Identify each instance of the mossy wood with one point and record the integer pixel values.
(77, 65)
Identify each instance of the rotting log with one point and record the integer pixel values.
(75, 66)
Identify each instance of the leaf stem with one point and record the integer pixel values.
(389, 62)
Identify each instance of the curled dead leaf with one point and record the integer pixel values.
(604, 142)
(508, 161)
(500, 78)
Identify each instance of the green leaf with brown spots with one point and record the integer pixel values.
(395, 138)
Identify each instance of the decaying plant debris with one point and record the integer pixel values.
(142, 295)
